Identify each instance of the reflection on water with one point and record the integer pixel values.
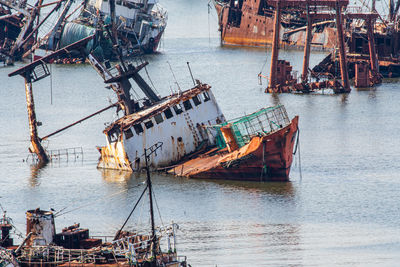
(117, 176)
(36, 170)
(284, 189)
(227, 241)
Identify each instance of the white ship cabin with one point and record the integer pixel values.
(179, 121)
(124, 8)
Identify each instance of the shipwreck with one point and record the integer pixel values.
(255, 147)
(137, 27)
(250, 23)
(73, 246)
(187, 125)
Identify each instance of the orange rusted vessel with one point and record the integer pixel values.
(256, 147)
(250, 23)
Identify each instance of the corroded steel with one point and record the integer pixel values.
(275, 46)
(229, 138)
(36, 146)
(41, 224)
(267, 158)
(251, 24)
(342, 49)
(306, 57)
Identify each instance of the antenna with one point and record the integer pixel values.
(194, 83)
(179, 88)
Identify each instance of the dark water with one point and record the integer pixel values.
(344, 210)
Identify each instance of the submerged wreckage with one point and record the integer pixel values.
(73, 246)
(187, 123)
(137, 27)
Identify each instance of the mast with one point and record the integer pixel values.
(36, 146)
(153, 231)
(152, 149)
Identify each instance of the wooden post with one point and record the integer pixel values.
(36, 146)
(307, 44)
(275, 46)
(342, 49)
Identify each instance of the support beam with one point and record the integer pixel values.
(342, 49)
(275, 46)
(371, 45)
(36, 146)
(307, 46)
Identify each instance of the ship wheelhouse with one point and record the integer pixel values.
(181, 122)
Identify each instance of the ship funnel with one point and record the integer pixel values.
(229, 138)
(41, 224)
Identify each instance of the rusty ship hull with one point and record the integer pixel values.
(264, 158)
(247, 23)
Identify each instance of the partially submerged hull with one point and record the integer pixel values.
(266, 158)
(177, 123)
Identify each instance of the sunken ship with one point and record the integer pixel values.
(255, 147)
(250, 23)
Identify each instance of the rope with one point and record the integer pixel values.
(297, 147)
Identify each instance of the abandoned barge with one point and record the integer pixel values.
(256, 147)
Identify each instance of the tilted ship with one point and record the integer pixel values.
(186, 124)
(137, 27)
(255, 147)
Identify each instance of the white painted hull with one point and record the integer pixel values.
(181, 135)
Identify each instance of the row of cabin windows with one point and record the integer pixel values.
(168, 114)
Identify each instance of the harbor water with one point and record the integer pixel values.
(341, 207)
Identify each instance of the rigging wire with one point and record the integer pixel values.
(158, 209)
(152, 84)
(130, 214)
(208, 21)
(179, 88)
(94, 201)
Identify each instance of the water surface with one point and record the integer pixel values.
(344, 210)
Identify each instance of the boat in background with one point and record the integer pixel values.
(250, 23)
(139, 24)
(255, 147)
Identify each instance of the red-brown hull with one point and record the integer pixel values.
(270, 159)
(257, 30)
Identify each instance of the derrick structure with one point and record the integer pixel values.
(280, 78)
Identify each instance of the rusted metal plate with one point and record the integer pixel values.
(272, 153)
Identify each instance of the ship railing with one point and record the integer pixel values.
(57, 155)
(139, 244)
(66, 153)
(57, 255)
(259, 123)
(104, 238)
(357, 9)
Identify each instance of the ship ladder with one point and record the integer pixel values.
(192, 128)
